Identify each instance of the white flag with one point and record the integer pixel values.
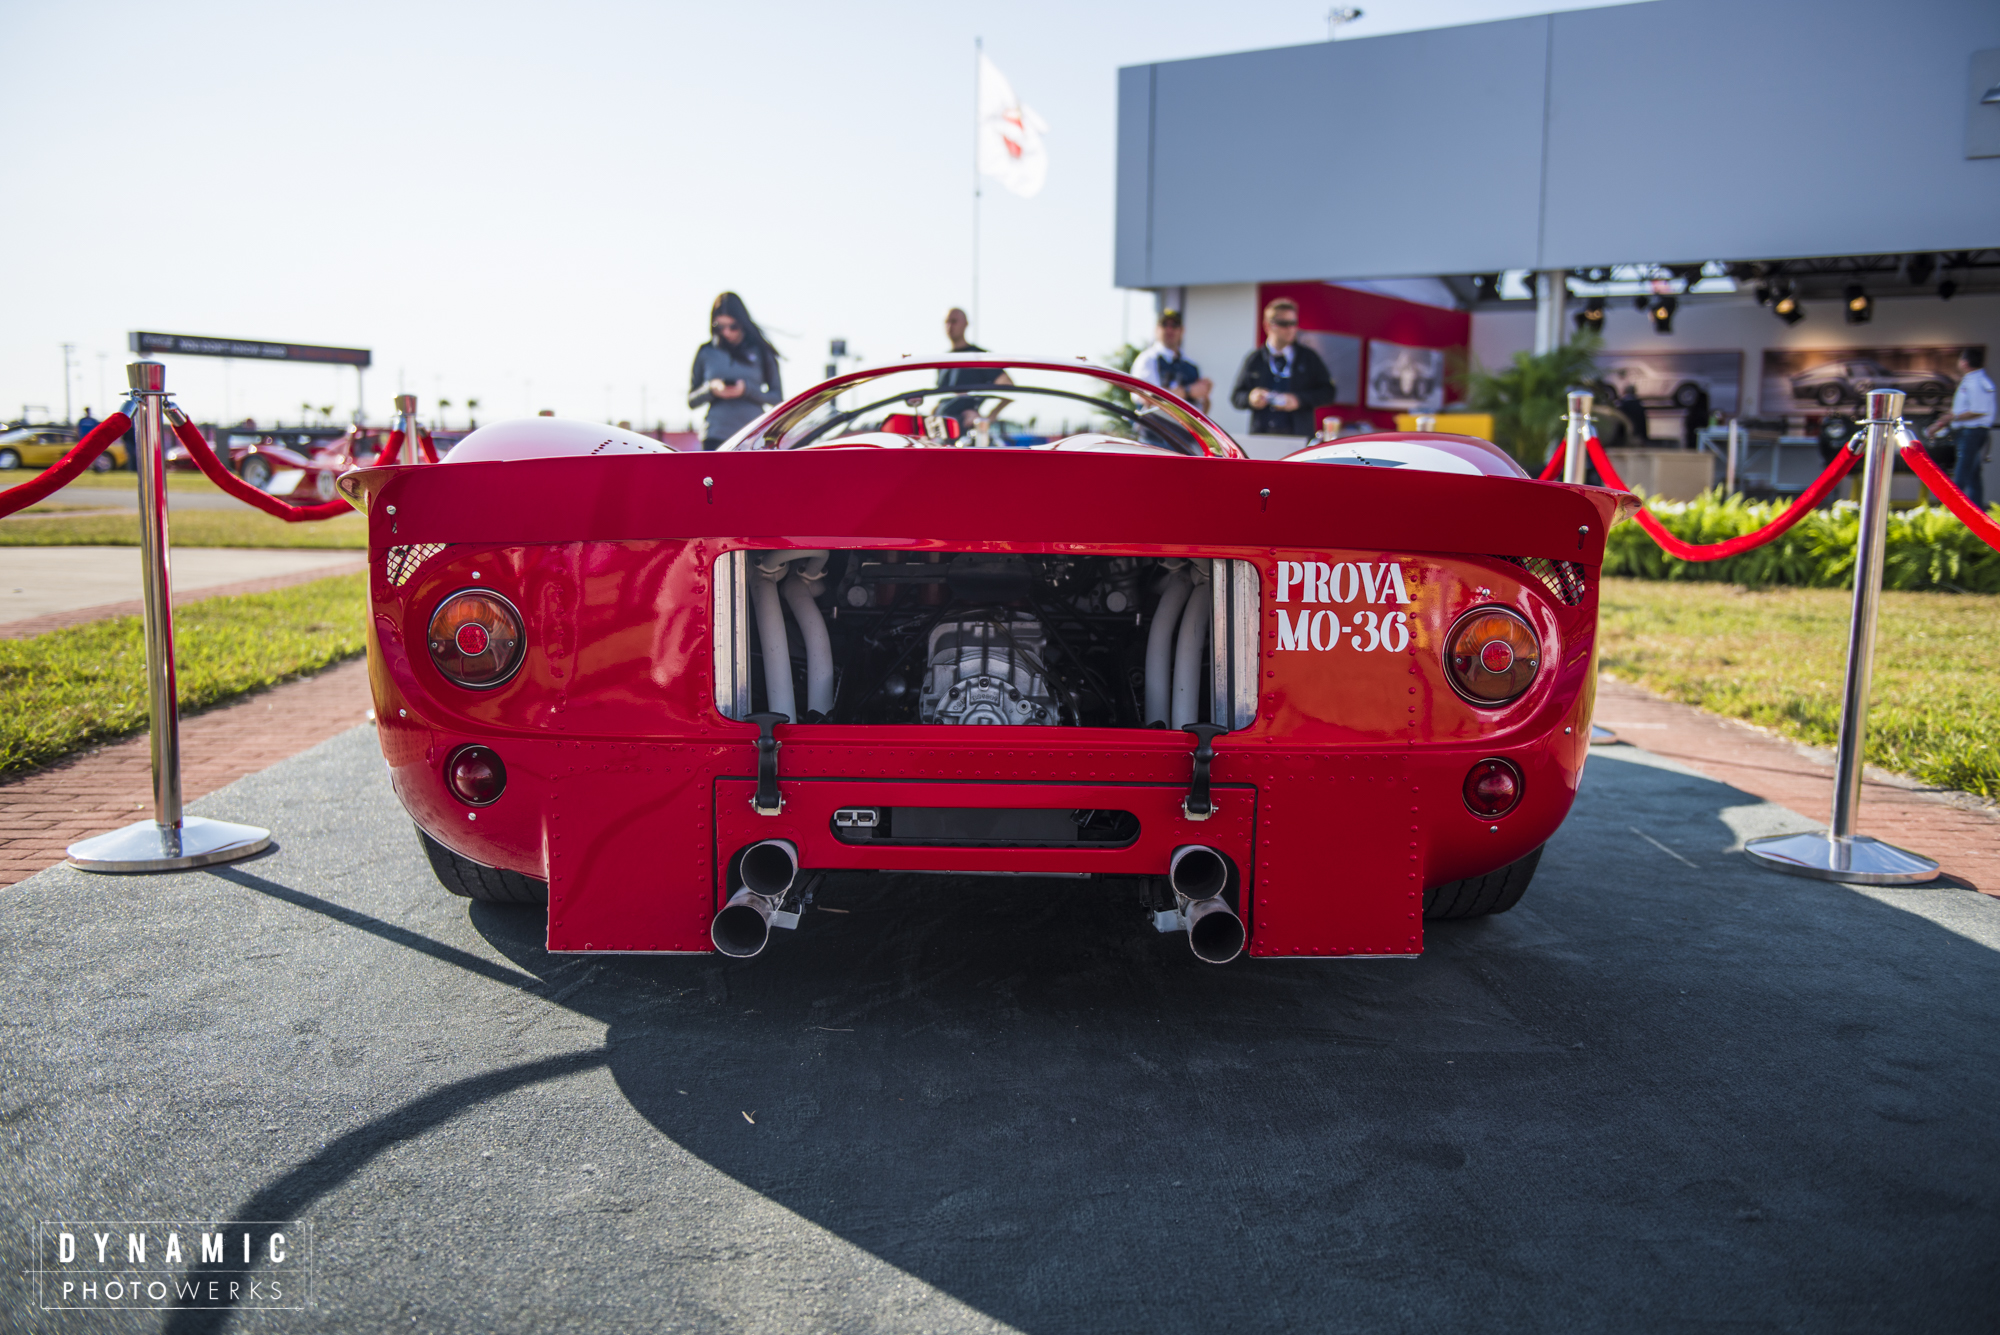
(1010, 135)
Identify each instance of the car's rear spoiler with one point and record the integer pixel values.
(1002, 497)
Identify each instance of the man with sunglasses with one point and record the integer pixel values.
(1283, 381)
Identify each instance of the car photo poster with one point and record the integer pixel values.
(1404, 379)
(1676, 379)
(1804, 380)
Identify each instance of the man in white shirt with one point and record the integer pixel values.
(1162, 364)
(1971, 423)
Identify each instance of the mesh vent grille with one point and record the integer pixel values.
(1565, 579)
(399, 563)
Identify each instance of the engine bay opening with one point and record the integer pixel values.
(986, 638)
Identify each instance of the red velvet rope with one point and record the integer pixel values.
(1555, 463)
(66, 469)
(392, 452)
(1716, 551)
(1956, 501)
(212, 468)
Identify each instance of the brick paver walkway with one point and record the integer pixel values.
(1961, 832)
(43, 813)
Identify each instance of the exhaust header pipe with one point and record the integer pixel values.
(743, 928)
(1198, 875)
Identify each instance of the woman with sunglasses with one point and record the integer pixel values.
(735, 373)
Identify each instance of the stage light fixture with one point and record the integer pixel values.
(1663, 315)
(1860, 306)
(1787, 307)
(1486, 287)
(1591, 317)
(1919, 269)
(1640, 303)
(1947, 289)
(1598, 275)
(1763, 294)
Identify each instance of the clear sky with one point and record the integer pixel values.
(533, 205)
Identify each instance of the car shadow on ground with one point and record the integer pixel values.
(1667, 1089)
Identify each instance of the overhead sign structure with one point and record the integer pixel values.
(196, 345)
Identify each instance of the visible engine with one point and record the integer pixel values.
(1037, 639)
(988, 670)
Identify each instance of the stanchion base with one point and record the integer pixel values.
(148, 846)
(1858, 860)
(1601, 736)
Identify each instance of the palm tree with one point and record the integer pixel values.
(305, 414)
(1529, 399)
(442, 405)
(471, 407)
(326, 414)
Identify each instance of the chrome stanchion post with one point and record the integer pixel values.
(1735, 444)
(1576, 457)
(1840, 854)
(170, 840)
(1576, 442)
(406, 422)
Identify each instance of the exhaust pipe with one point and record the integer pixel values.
(1215, 933)
(1197, 872)
(769, 867)
(743, 928)
(1198, 876)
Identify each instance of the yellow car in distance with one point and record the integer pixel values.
(40, 446)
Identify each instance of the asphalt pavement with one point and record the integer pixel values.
(1667, 1092)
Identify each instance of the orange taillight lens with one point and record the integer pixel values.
(1492, 655)
(477, 639)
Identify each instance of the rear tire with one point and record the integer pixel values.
(9, 461)
(257, 472)
(1478, 896)
(472, 880)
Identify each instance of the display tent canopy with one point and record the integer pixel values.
(1665, 131)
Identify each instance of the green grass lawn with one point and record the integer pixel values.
(119, 478)
(71, 688)
(1775, 657)
(186, 528)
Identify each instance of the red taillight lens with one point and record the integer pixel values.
(476, 639)
(1492, 788)
(1492, 655)
(476, 775)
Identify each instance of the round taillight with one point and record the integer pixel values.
(476, 639)
(1492, 655)
(1492, 788)
(476, 775)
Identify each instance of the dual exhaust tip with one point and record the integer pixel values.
(1198, 875)
(767, 869)
(743, 928)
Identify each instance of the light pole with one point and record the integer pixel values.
(1337, 16)
(69, 418)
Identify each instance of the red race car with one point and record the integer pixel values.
(1292, 706)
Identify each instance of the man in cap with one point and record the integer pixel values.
(1162, 364)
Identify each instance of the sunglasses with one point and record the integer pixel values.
(1284, 324)
(722, 327)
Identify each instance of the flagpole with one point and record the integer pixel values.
(978, 49)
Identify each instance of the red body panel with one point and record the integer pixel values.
(628, 790)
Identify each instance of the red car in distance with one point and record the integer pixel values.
(1295, 707)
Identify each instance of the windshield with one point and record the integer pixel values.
(988, 401)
